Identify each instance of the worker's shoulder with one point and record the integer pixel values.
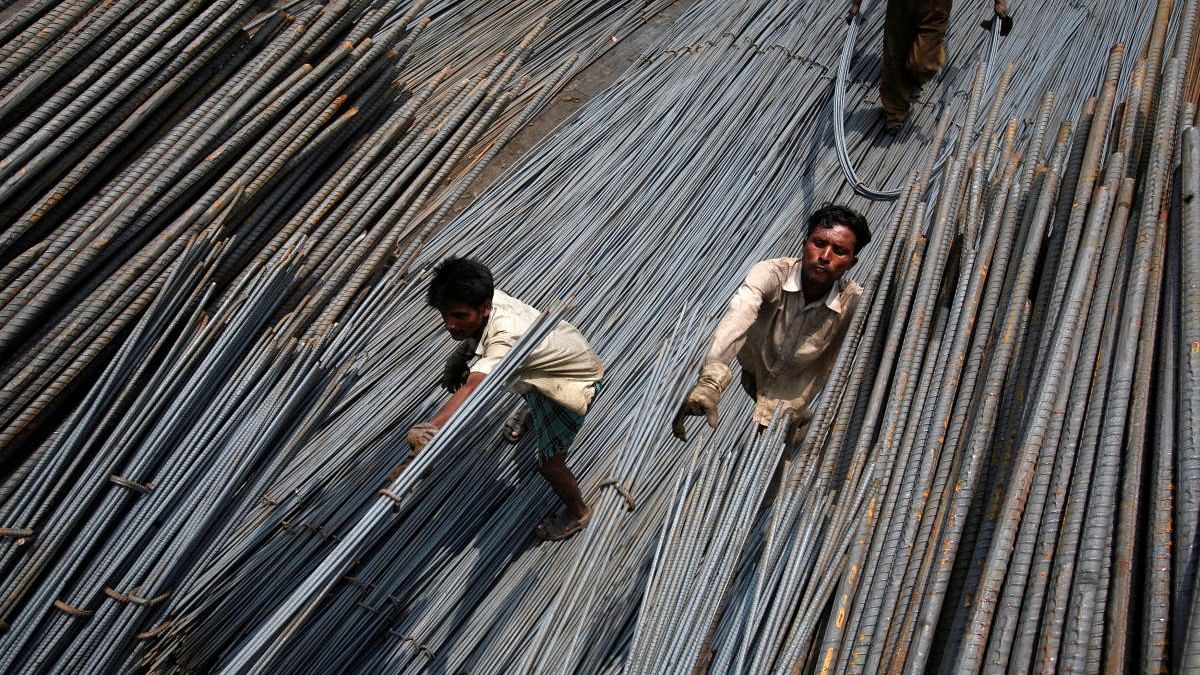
(511, 313)
(776, 263)
(772, 268)
(506, 301)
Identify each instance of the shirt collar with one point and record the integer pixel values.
(836, 299)
(791, 283)
(498, 298)
(833, 298)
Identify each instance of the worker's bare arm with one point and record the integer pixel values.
(420, 435)
(456, 400)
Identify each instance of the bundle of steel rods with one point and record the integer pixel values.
(128, 127)
(991, 496)
(215, 306)
(193, 210)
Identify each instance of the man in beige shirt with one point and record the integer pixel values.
(785, 324)
(558, 380)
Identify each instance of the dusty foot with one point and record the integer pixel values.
(561, 525)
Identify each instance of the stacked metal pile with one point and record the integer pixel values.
(245, 528)
(196, 200)
(455, 584)
(128, 128)
(993, 483)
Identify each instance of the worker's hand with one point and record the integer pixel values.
(855, 5)
(1001, 7)
(456, 371)
(702, 400)
(420, 436)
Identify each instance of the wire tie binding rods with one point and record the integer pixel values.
(390, 495)
(320, 531)
(73, 611)
(421, 649)
(21, 532)
(630, 502)
(354, 580)
(135, 599)
(154, 632)
(144, 488)
(367, 607)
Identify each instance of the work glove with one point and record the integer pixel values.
(703, 398)
(1006, 23)
(454, 374)
(420, 435)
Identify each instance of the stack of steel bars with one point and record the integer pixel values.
(988, 488)
(196, 200)
(215, 497)
(128, 127)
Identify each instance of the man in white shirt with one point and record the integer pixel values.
(558, 380)
(785, 324)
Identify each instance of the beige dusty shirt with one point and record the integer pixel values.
(786, 346)
(563, 367)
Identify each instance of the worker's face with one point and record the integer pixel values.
(828, 254)
(465, 321)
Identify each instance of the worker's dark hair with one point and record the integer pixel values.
(830, 215)
(460, 281)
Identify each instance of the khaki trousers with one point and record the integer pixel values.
(914, 50)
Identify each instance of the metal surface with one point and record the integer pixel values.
(216, 236)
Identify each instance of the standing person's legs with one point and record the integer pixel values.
(928, 52)
(895, 84)
(555, 428)
(564, 484)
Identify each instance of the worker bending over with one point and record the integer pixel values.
(914, 50)
(785, 324)
(558, 380)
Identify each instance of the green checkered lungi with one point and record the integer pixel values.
(555, 425)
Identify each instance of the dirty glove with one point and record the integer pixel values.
(854, 7)
(420, 435)
(703, 398)
(457, 367)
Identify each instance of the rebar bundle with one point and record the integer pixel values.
(216, 230)
(199, 198)
(989, 516)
